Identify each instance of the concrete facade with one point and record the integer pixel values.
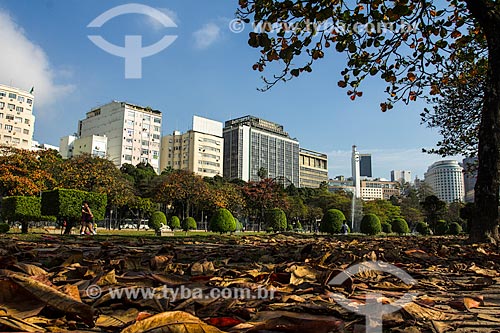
(17, 121)
(199, 150)
(447, 180)
(133, 132)
(313, 168)
(251, 143)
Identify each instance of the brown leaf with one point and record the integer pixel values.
(55, 298)
(19, 324)
(171, 322)
(117, 319)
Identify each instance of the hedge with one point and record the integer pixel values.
(67, 205)
(157, 220)
(222, 221)
(332, 221)
(400, 226)
(22, 209)
(189, 224)
(370, 224)
(275, 219)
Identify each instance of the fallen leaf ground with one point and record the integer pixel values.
(249, 283)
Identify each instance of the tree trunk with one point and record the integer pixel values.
(484, 226)
(24, 227)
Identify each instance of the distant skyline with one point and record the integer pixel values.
(207, 71)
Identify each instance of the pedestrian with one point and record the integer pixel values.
(87, 220)
(344, 229)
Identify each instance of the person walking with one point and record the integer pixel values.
(87, 220)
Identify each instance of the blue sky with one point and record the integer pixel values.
(207, 71)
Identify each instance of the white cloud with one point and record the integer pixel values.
(385, 160)
(25, 64)
(206, 36)
(157, 25)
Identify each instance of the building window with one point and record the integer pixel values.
(27, 121)
(20, 98)
(25, 131)
(157, 120)
(16, 140)
(12, 95)
(128, 157)
(3, 94)
(19, 119)
(131, 114)
(11, 106)
(17, 129)
(157, 128)
(2, 105)
(1, 115)
(156, 136)
(9, 117)
(144, 151)
(146, 118)
(8, 127)
(19, 109)
(29, 101)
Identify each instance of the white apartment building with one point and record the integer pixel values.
(447, 180)
(133, 132)
(93, 145)
(16, 117)
(199, 150)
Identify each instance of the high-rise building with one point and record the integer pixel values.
(402, 176)
(447, 180)
(94, 145)
(365, 165)
(17, 121)
(251, 143)
(470, 177)
(313, 168)
(199, 150)
(133, 132)
(356, 174)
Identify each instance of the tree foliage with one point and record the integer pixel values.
(434, 50)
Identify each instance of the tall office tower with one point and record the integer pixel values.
(313, 168)
(402, 176)
(133, 132)
(365, 165)
(447, 180)
(17, 121)
(470, 177)
(251, 143)
(199, 150)
(356, 175)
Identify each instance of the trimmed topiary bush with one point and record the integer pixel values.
(370, 224)
(386, 227)
(4, 228)
(189, 224)
(276, 219)
(222, 221)
(21, 209)
(332, 221)
(67, 205)
(454, 229)
(157, 220)
(400, 226)
(422, 228)
(441, 228)
(175, 223)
